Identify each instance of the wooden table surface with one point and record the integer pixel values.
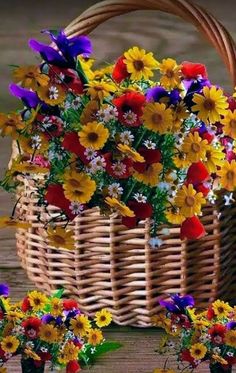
(165, 35)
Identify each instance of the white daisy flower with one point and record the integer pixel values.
(115, 190)
(90, 153)
(155, 242)
(216, 350)
(76, 103)
(229, 199)
(30, 344)
(53, 93)
(230, 354)
(126, 137)
(149, 144)
(19, 330)
(44, 349)
(119, 168)
(76, 208)
(107, 114)
(97, 164)
(130, 117)
(140, 198)
(36, 141)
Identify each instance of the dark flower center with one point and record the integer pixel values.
(103, 318)
(195, 147)
(233, 123)
(58, 239)
(92, 136)
(126, 108)
(10, 123)
(139, 65)
(189, 201)
(74, 183)
(157, 118)
(30, 74)
(37, 301)
(209, 104)
(230, 175)
(170, 74)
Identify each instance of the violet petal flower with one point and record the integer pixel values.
(29, 98)
(178, 303)
(157, 93)
(48, 54)
(4, 290)
(231, 325)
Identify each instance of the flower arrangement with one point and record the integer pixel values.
(49, 329)
(201, 335)
(118, 139)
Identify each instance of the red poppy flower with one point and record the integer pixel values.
(186, 356)
(70, 304)
(197, 173)
(3, 355)
(150, 155)
(232, 103)
(52, 126)
(55, 196)
(120, 70)
(67, 78)
(204, 189)
(45, 356)
(142, 211)
(192, 229)
(121, 169)
(210, 313)
(207, 136)
(73, 367)
(31, 326)
(130, 108)
(217, 333)
(192, 70)
(72, 144)
(25, 306)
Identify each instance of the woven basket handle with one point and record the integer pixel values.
(207, 25)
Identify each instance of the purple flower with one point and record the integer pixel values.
(158, 94)
(69, 49)
(4, 290)
(231, 325)
(47, 319)
(178, 303)
(192, 87)
(29, 98)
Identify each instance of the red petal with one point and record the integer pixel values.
(72, 144)
(141, 210)
(120, 70)
(150, 156)
(203, 189)
(129, 222)
(192, 70)
(70, 304)
(131, 101)
(73, 367)
(55, 196)
(207, 136)
(197, 173)
(192, 229)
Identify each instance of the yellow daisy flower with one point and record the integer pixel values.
(93, 135)
(33, 144)
(37, 300)
(7, 222)
(103, 318)
(60, 238)
(221, 309)
(26, 167)
(10, 344)
(98, 90)
(230, 338)
(139, 63)
(180, 160)
(201, 324)
(31, 354)
(52, 94)
(14, 315)
(189, 201)
(87, 64)
(95, 337)
(194, 147)
(10, 124)
(120, 207)
(70, 352)
(157, 117)
(174, 217)
(30, 77)
(131, 153)
(171, 73)
(198, 351)
(219, 359)
(227, 174)
(210, 105)
(48, 333)
(229, 124)
(56, 307)
(150, 176)
(89, 112)
(78, 187)
(214, 158)
(80, 325)
(100, 73)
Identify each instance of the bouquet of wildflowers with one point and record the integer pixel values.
(49, 329)
(200, 336)
(119, 139)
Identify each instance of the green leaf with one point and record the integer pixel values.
(58, 293)
(101, 349)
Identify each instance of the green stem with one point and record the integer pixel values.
(130, 191)
(82, 75)
(140, 139)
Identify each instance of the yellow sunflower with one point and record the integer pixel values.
(37, 300)
(171, 73)
(30, 77)
(229, 124)
(95, 337)
(103, 318)
(60, 238)
(139, 63)
(201, 324)
(194, 147)
(56, 307)
(180, 160)
(10, 124)
(102, 72)
(230, 338)
(98, 90)
(174, 217)
(120, 207)
(214, 158)
(150, 176)
(93, 135)
(227, 174)
(10, 344)
(189, 201)
(80, 325)
(198, 351)
(89, 112)
(131, 153)
(31, 354)
(157, 117)
(34, 144)
(52, 94)
(7, 222)
(48, 333)
(210, 105)
(78, 187)
(70, 352)
(179, 114)
(219, 359)
(26, 167)
(14, 315)
(221, 309)
(87, 64)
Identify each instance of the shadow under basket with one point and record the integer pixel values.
(115, 267)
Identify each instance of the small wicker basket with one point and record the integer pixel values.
(113, 266)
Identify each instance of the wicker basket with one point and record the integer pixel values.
(112, 266)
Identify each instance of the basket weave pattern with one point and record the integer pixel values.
(113, 266)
